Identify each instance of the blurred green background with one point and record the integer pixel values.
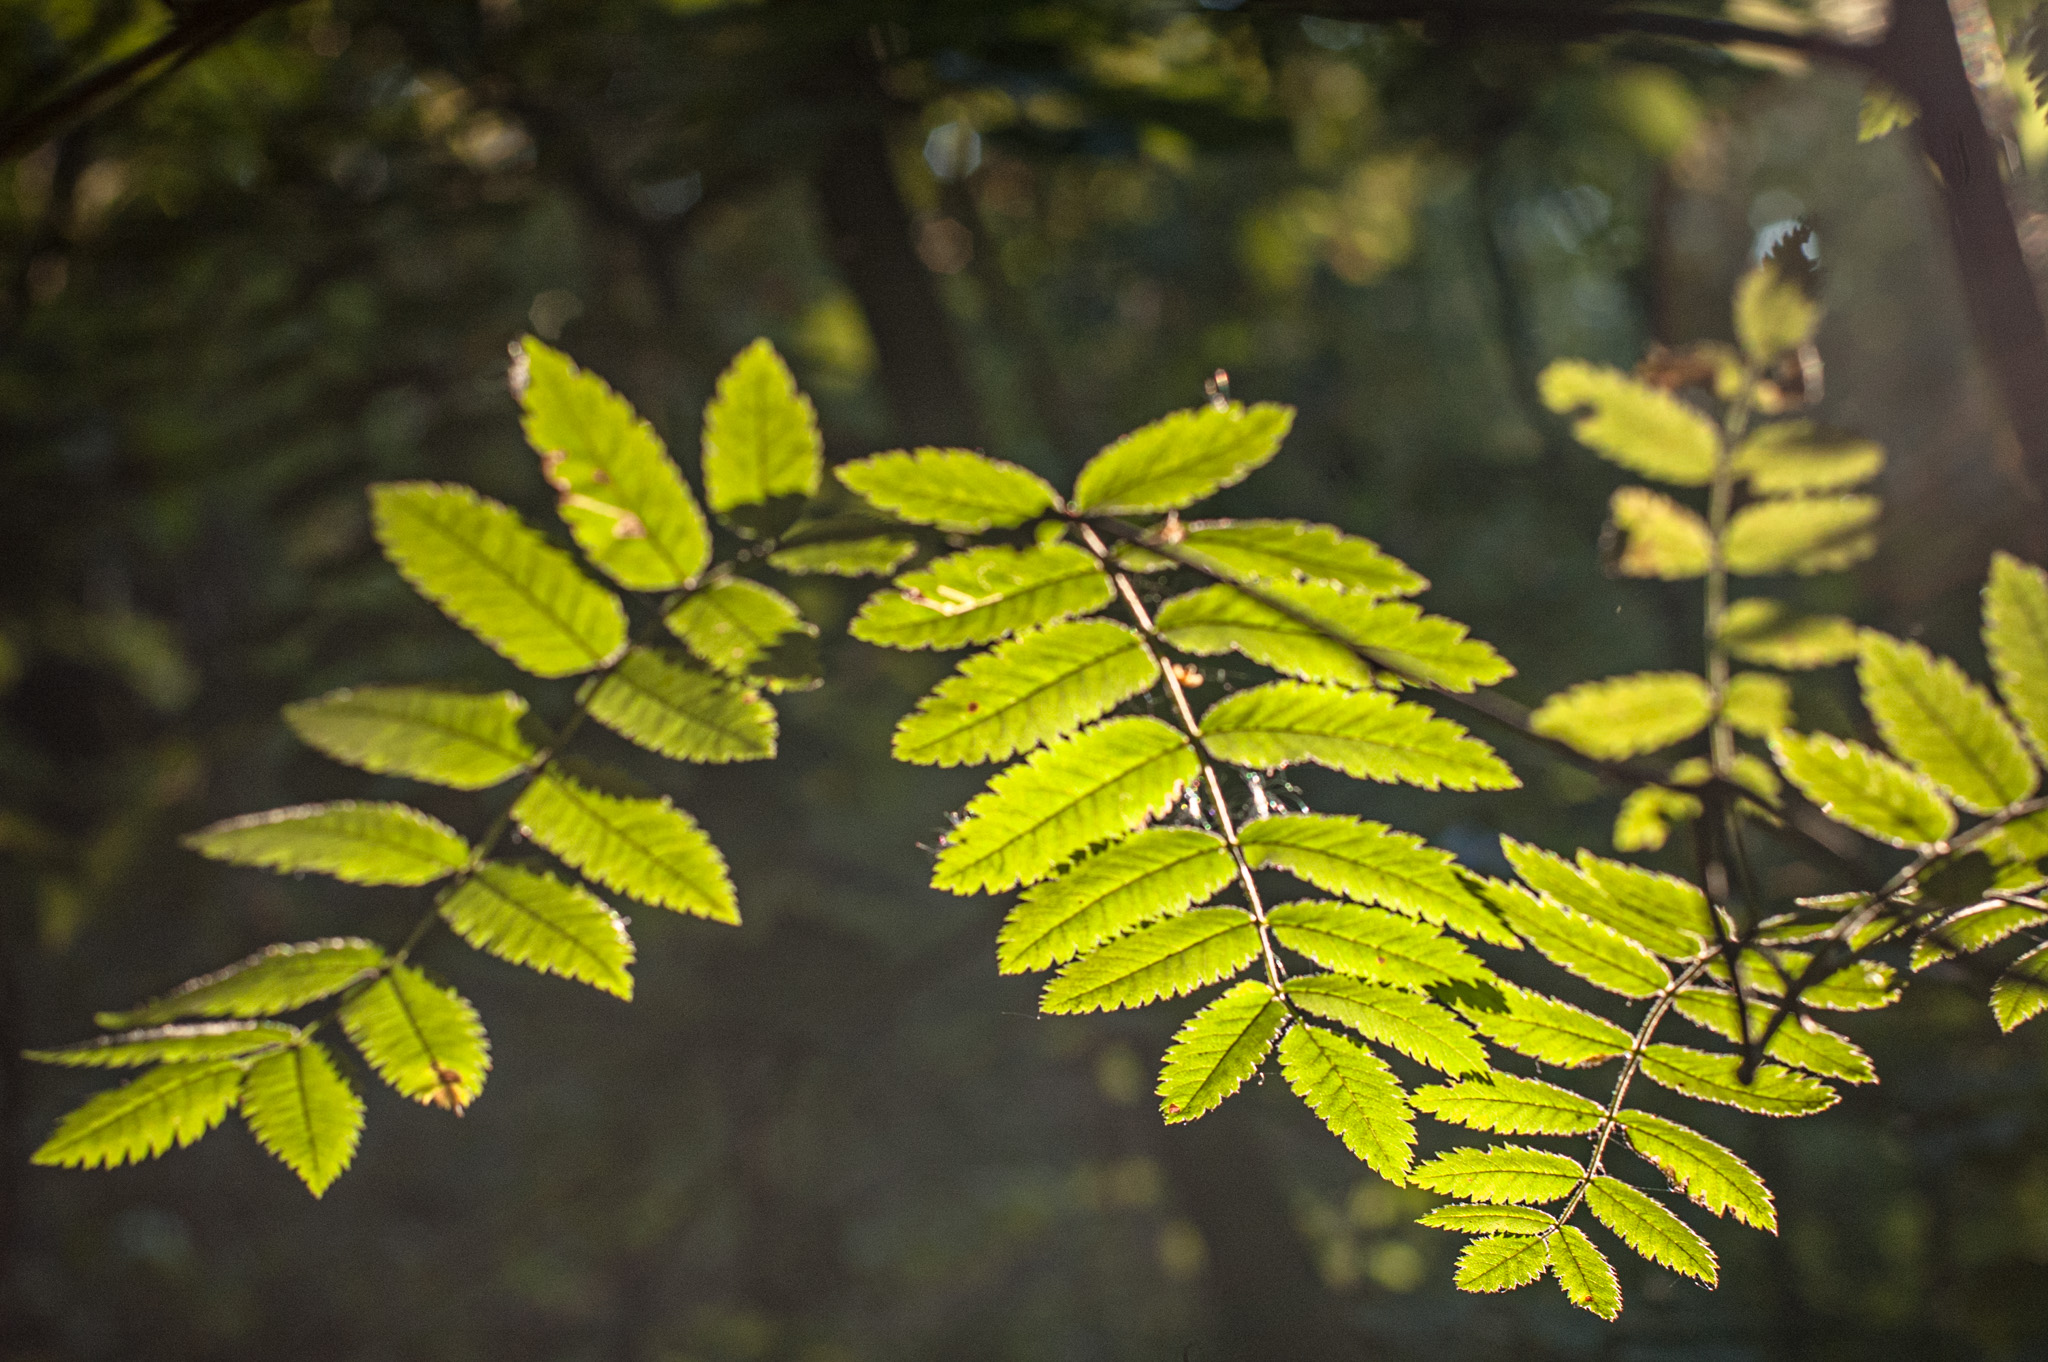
(294, 266)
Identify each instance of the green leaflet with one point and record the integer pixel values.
(1762, 630)
(1221, 619)
(1798, 456)
(1181, 458)
(1374, 945)
(2016, 638)
(1775, 1091)
(172, 1104)
(1024, 692)
(536, 920)
(1293, 551)
(1101, 783)
(362, 843)
(1508, 1105)
(1864, 789)
(1646, 1226)
(1644, 429)
(1523, 1220)
(1804, 535)
(1547, 1030)
(1354, 1092)
(951, 489)
(1218, 1049)
(647, 849)
(1501, 1262)
(1859, 986)
(1758, 703)
(1625, 716)
(1944, 723)
(275, 979)
(1362, 733)
(1152, 874)
(424, 1040)
(734, 622)
(1504, 1173)
(2022, 991)
(497, 578)
(876, 555)
(1584, 1272)
(760, 434)
(1592, 950)
(304, 1112)
(1708, 1174)
(1662, 912)
(621, 495)
(187, 1043)
(1773, 314)
(1644, 821)
(981, 595)
(1800, 1041)
(682, 714)
(1417, 1027)
(1164, 960)
(1367, 862)
(466, 742)
(1402, 639)
(1973, 929)
(1659, 537)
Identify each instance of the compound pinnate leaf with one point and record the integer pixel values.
(1370, 944)
(1181, 458)
(2016, 638)
(1508, 1105)
(1362, 733)
(1584, 1272)
(1592, 950)
(1505, 1173)
(1481, 1219)
(426, 1041)
(188, 1042)
(1708, 1174)
(1772, 1091)
(2021, 993)
(760, 434)
(1547, 1030)
(1024, 692)
(734, 622)
(951, 489)
(1660, 538)
(1762, 630)
(981, 595)
(276, 979)
(1218, 1049)
(172, 1104)
(1150, 875)
(1798, 456)
(1356, 1095)
(1648, 1227)
(497, 578)
(1372, 864)
(1294, 551)
(1625, 716)
(304, 1112)
(362, 843)
(1757, 703)
(1944, 723)
(536, 920)
(1798, 1041)
(1101, 783)
(681, 713)
(1165, 960)
(647, 849)
(621, 496)
(1420, 1029)
(1664, 913)
(1501, 1262)
(1642, 428)
(466, 742)
(1864, 789)
(1802, 535)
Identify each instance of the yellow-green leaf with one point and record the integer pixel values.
(424, 1040)
(682, 713)
(275, 979)
(1584, 1272)
(1944, 723)
(1165, 960)
(1502, 1262)
(1371, 944)
(952, 489)
(2016, 637)
(1798, 456)
(647, 849)
(1508, 1105)
(1644, 429)
(760, 434)
(1362, 733)
(172, 1104)
(1803, 535)
(1659, 537)
(1703, 1170)
(1294, 551)
(1420, 1029)
(304, 1112)
(536, 920)
(1152, 874)
(1504, 1173)
(981, 595)
(1762, 630)
(1773, 314)
(733, 623)
(1758, 703)
(1371, 863)
(1218, 1049)
(1625, 716)
(1648, 1227)
(185, 1043)
(363, 843)
(1355, 1093)
(1864, 789)
(1772, 1091)
(1181, 458)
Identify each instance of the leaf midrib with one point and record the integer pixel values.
(519, 587)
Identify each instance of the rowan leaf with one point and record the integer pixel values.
(466, 742)
(1294, 551)
(1181, 458)
(620, 494)
(1546, 1030)
(1369, 863)
(2021, 993)
(1648, 1227)
(1181, 954)
(1481, 1219)
(981, 595)
(1798, 1041)
(1659, 537)
(1025, 692)
(363, 843)
(426, 1041)
(1592, 950)
(1103, 782)
(1762, 630)
(1370, 944)
(1501, 1262)
(1663, 912)
(1504, 1173)
(1758, 703)
(1362, 733)
(1773, 1091)
(1218, 1049)
(1420, 1029)
(732, 623)
(497, 578)
(1355, 1094)
(1508, 1105)
(2016, 638)
(536, 920)
(647, 849)
(875, 555)
(1798, 456)
(952, 489)
(1626, 716)
(1222, 619)
(172, 1104)
(1150, 875)
(304, 1112)
(1644, 429)
(273, 980)
(1974, 929)
(1943, 723)
(760, 434)
(1773, 312)
(682, 713)
(188, 1042)
(1864, 789)
(1584, 1272)
(1647, 813)
(1803, 535)
(1704, 1171)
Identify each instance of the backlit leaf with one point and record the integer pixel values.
(1151, 875)
(1647, 814)
(1504, 1173)
(1508, 1105)
(1758, 703)
(466, 742)
(1024, 692)
(1773, 313)
(1502, 1262)
(760, 434)
(172, 1104)
(1356, 1095)
(952, 489)
(1371, 944)
(1218, 1049)
(1804, 535)
(1547, 1030)
(1584, 1272)
(1165, 960)
(981, 595)
(1659, 537)
(1798, 1041)
(1773, 1091)
(1646, 1226)
(1592, 950)
(1798, 456)
(1369, 863)
(186, 1042)
(362, 843)
(1362, 733)
(424, 1040)
(1974, 929)
(1294, 551)
(2021, 993)
(1762, 630)
(1703, 1170)
(273, 980)
(304, 1112)
(536, 920)
(1221, 619)
(876, 555)
(1181, 458)
(734, 622)
(2016, 638)
(1417, 1027)
(1864, 789)
(647, 849)
(1644, 429)
(1944, 723)
(1625, 716)
(682, 713)
(1526, 1220)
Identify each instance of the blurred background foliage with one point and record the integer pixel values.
(293, 265)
